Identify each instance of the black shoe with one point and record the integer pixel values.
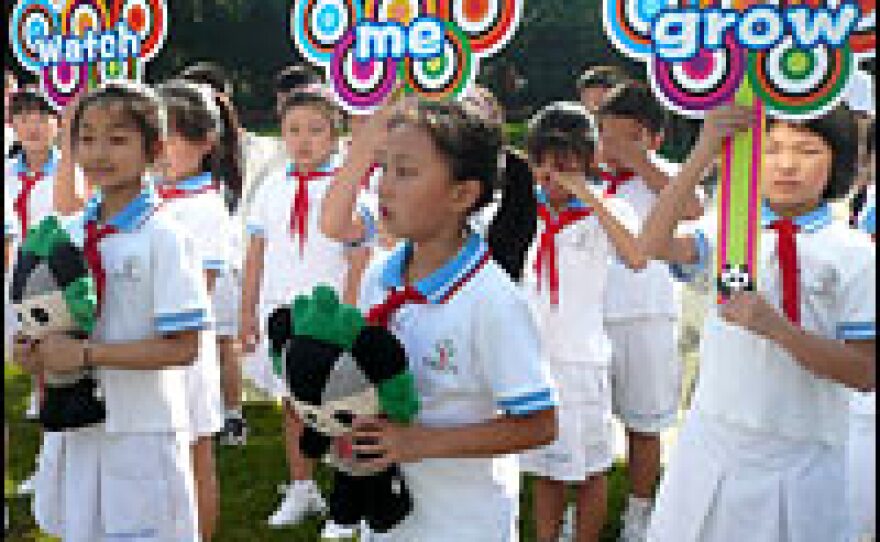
(234, 432)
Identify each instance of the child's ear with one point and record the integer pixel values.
(155, 150)
(467, 194)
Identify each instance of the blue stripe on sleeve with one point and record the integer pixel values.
(855, 331)
(688, 272)
(184, 321)
(214, 265)
(528, 403)
(255, 230)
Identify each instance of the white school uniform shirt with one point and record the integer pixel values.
(751, 382)
(154, 286)
(867, 219)
(649, 292)
(41, 201)
(8, 139)
(574, 330)
(287, 271)
(473, 349)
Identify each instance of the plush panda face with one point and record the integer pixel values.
(345, 393)
(42, 309)
(735, 278)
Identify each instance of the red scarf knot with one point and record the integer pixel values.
(547, 255)
(787, 230)
(615, 180)
(22, 201)
(299, 213)
(380, 315)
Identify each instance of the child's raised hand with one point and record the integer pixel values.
(726, 121)
(751, 311)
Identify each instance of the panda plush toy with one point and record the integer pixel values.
(53, 292)
(338, 367)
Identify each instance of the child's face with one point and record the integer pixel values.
(797, 166)
(546, 168)
(110, 148)
(35, 130)
(417, 195)
(592, 97)
(309, 136)
(620, 131)
(182, 158)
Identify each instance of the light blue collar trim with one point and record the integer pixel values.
(813, 221)
(439, 284)
(130, 218)
(329, 166)
(197, 183)
(48, 169)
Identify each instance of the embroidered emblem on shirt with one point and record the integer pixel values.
(441, 359)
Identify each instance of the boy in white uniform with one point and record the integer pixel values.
(641, 307)
(129, 477)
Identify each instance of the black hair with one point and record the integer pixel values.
(210, 74)
(139, 102)
(562, 127)
(839, 129)
(296, 77)
(473, 146)
(634, 100)
(197, 114)
(30, 101)
(314, 97)
(601, 77)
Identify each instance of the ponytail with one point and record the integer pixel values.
(516, 220)
(225, 158)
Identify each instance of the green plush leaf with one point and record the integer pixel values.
(322, 317)
(82, 303)
(399, 399)
(42, 238)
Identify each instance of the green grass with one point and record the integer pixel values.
(249, 478)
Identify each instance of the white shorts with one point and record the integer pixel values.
(584, 444)
(862, 466)
(110, 487)
(204, 395)
(646, 373)
(227, 303)
(725, 483)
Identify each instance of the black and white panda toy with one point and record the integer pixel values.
(339, 367)
(53, 292)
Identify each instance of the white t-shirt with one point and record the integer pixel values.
(290, 268)
(154, 286)
(651, 291)
(474, 352)
(750, 381)
(41, 201)
(574, 330)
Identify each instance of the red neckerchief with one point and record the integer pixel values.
(171, 192)
(92, 251)
(22, 201)
(547, 244)
(786, 231)
(615, 180)
(365, 182)
(380, 315)
(299, 212)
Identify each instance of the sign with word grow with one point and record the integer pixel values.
(789, 59)
(430, 47)
(75, 45)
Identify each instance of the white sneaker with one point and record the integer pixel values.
(301, 499)
(28, 486)
(635, 522)
(566, 534)
(334, 531)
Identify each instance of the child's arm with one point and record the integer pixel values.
(60, 353)
(657, 236)
(251, 283)
(851, 363)
(625, 243)
(406, 444)
(358, 259)
(69, 193)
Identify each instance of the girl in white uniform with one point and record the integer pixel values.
(566, 280)
(761, 455)
(641, 306)
(287, 255)
(472, 344)
(129, 477)
(192, 192)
